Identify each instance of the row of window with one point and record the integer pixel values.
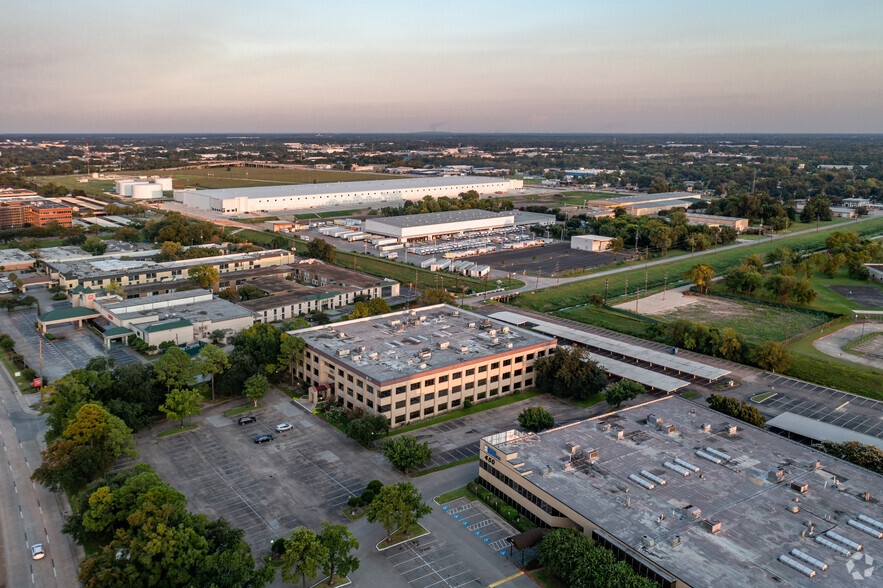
(518, 488)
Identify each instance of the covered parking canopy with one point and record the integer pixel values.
(61, 316)
(638, 374)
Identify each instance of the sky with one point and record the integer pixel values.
(286, 66)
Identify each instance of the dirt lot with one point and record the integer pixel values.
(757, 322)
(558, 254)
(866, 296)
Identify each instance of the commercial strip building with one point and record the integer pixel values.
(739, 224)
(365, 193)
(18, 211)
(15, 259)
(417, 364)
(876, 271)
(327, 287)
(97, 273)
(689, 497)
(182, 317)
(590, 242)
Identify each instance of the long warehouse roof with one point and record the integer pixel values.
(440, 218)
(666, 360)
(819, 430)
(346, 187)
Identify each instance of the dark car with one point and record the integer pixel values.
(263, 438)
(246, 420)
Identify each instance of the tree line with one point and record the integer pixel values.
(465, 201)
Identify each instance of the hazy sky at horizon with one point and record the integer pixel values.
(455, 66)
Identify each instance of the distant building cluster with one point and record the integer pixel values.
(19, 208)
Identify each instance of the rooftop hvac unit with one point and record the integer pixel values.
(361, 348)
(464, 349)
(809, 559)
(872, 531)
(592, 454)
(372, 355)
(686, 464)
(444, 344)
(343, 352)
(356, 357)
(426, 355)
(471, 325)
(394, 322)
(494, 340)
(802, 488)
(504, 330)
(603, 426)
(647, 541)
(676, 468)
(793, 563)
(342, 335)
(492, 333)
(693, 512)
(413, 313)
(713, 527)
(831, 545)
(709, 457)
(731, 429)
(670, 429)
(720, 454)
(423, 318)
(653, 477)
(422, 366)
(642, 482)
(572, 448)
(652, 419)
(776, 475)
(841, 539)
(706, 427)
(508, 346)
(620, 434)
(455, 313)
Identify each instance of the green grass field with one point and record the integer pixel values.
(578, 292)
(242, 177)
(92, 187)
(812, 365)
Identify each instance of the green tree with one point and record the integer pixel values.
(170, 251)
(304, 556)
(736, 408)
(340, 543)
(128, 234)
(866, 456)
(212, 360)
(366, 428)
(291, 353)
(535, 418)
(205, 276)
(397, 506)
(94, 245)
(181, 403)
(804, 293)
(700, 274)
(229, 294)
(256, 387)
(596, 300)
(623, 390)
(174, 369)
(731, 345)
(322, 250)
(115, 287)
(772, 356)
(432, 296)
(781, 286)
(405, 453)
(568, 372)
(250, 292)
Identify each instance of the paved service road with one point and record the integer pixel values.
(29, 513)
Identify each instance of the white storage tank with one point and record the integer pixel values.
(120, 185)
(166, 184)
(128, 187)
(146, 191)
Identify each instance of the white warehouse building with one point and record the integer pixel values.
(432, 225)
(300, 196)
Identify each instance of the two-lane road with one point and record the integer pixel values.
(29, 513)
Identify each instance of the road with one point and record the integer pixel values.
(538, 283)
(29, 513)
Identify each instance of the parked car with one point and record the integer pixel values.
(37, 551)
(247, 419)
(284, 427)
(263, 438)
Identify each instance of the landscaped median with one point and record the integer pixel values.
(242, 409)
(177, 430)
(400, 536)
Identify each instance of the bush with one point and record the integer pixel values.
(28, 374)
(472, 487)
(367, 497)
(375, 486)
(354, 501)
(467, 404)
(536, 418)
(278, 547)
(736, 408)
(59, 296)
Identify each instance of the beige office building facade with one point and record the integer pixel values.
(416, 364)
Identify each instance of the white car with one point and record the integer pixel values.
(37, 551)
(284, 427)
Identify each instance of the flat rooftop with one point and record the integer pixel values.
(395, 343)
(658, 197)
(176, 305)
(754, 510)
(662, 203)
(713, 216)
(14, 256)
(346, 187)
(440, 218)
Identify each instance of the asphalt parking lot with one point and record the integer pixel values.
(458, 439)
(482, 524)
(302, 477)
(557, 256)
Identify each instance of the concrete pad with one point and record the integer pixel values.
(219, 420)
(288, 409)
(328, 456)
(306, 423)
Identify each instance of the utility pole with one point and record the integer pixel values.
(664, 286)
(605, 290)
(557, 275)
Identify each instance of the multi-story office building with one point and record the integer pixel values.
(416, 364)
(23, 207)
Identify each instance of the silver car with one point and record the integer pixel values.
(37, 551)
(284, 427)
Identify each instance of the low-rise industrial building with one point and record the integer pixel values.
(590, 242)
(327, 287)
(417, 364)
(434, 225)
(856, 202)
(711, 220)
(97, 273)
(15, 259)
(182, 317)
(20, 210)
(645, 208)
(876, 271)
(689, 497)
(363, 193)
(635, 199)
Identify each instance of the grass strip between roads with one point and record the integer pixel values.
(177, 430)
(241, 410)
(400, 536)
(479, 407)
(462, 492)
(445, 466)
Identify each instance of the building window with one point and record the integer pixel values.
(429, 382)
(415, 400)
(507, 362)
(429, 397)
(370, 404)
(495, 365)
(528, 369)
(415, 386)
(383, 393)
(481, 395)
(456, 389)
(517, 373)
(506, 389)
(359, 397)
(506, 375)
(415, 414)
(349, 377)
(455, 403)
(443, 406)
(400, 419)
(442, 393)
(456, 376)
(470, 385)
(528, 383)
(519, 359)
(482, 369)
(401, 389)
(340, 373)
(495, 379)
(470, 372)
(401, 404)
(428, 410)
(442, 379)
